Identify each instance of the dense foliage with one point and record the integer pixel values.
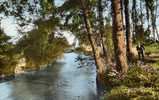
(8, 57)
(40, 45)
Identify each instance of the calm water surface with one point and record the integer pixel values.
(63, 80)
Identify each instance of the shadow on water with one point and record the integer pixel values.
(62, 80)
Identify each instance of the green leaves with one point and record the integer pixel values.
(39, 46)
(48, 6)
(4, 44)
(7, 54)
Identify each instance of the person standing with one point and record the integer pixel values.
(138, 51)
(141, 51)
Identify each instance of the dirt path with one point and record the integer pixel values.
(150, 58)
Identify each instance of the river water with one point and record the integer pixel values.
(63, 80)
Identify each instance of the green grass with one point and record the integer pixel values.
(152, 48)
(125, 93)
(138, 84)
(155, 64)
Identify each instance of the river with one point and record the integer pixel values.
(63, 80)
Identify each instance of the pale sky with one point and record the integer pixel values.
(10, 28)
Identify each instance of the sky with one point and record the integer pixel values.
(9, 27)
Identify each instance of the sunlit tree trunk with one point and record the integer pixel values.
(118, 37)
(100, 62)
(128, 31)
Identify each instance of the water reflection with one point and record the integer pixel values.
(61, 81)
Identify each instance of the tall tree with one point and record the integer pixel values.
(8, 58)
(100, 63)
(85, 8)
(134, 15)
(128, 31)
(156, 9)
(151, 6)
(102, 31)
(118, 37)
(147, 14)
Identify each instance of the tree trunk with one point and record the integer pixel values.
(153, 8)
(157, 33)
(128, 31)
(134, 15)
(96, 50)
(118, 37)
(156, 9)
(141, 15)
(153, 24)
(147, 15)
(100, 62)
(102, 32)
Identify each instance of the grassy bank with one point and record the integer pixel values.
(140, 83)
(152, 55)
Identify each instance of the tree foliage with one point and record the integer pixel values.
(7, 54)
(40, 46)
